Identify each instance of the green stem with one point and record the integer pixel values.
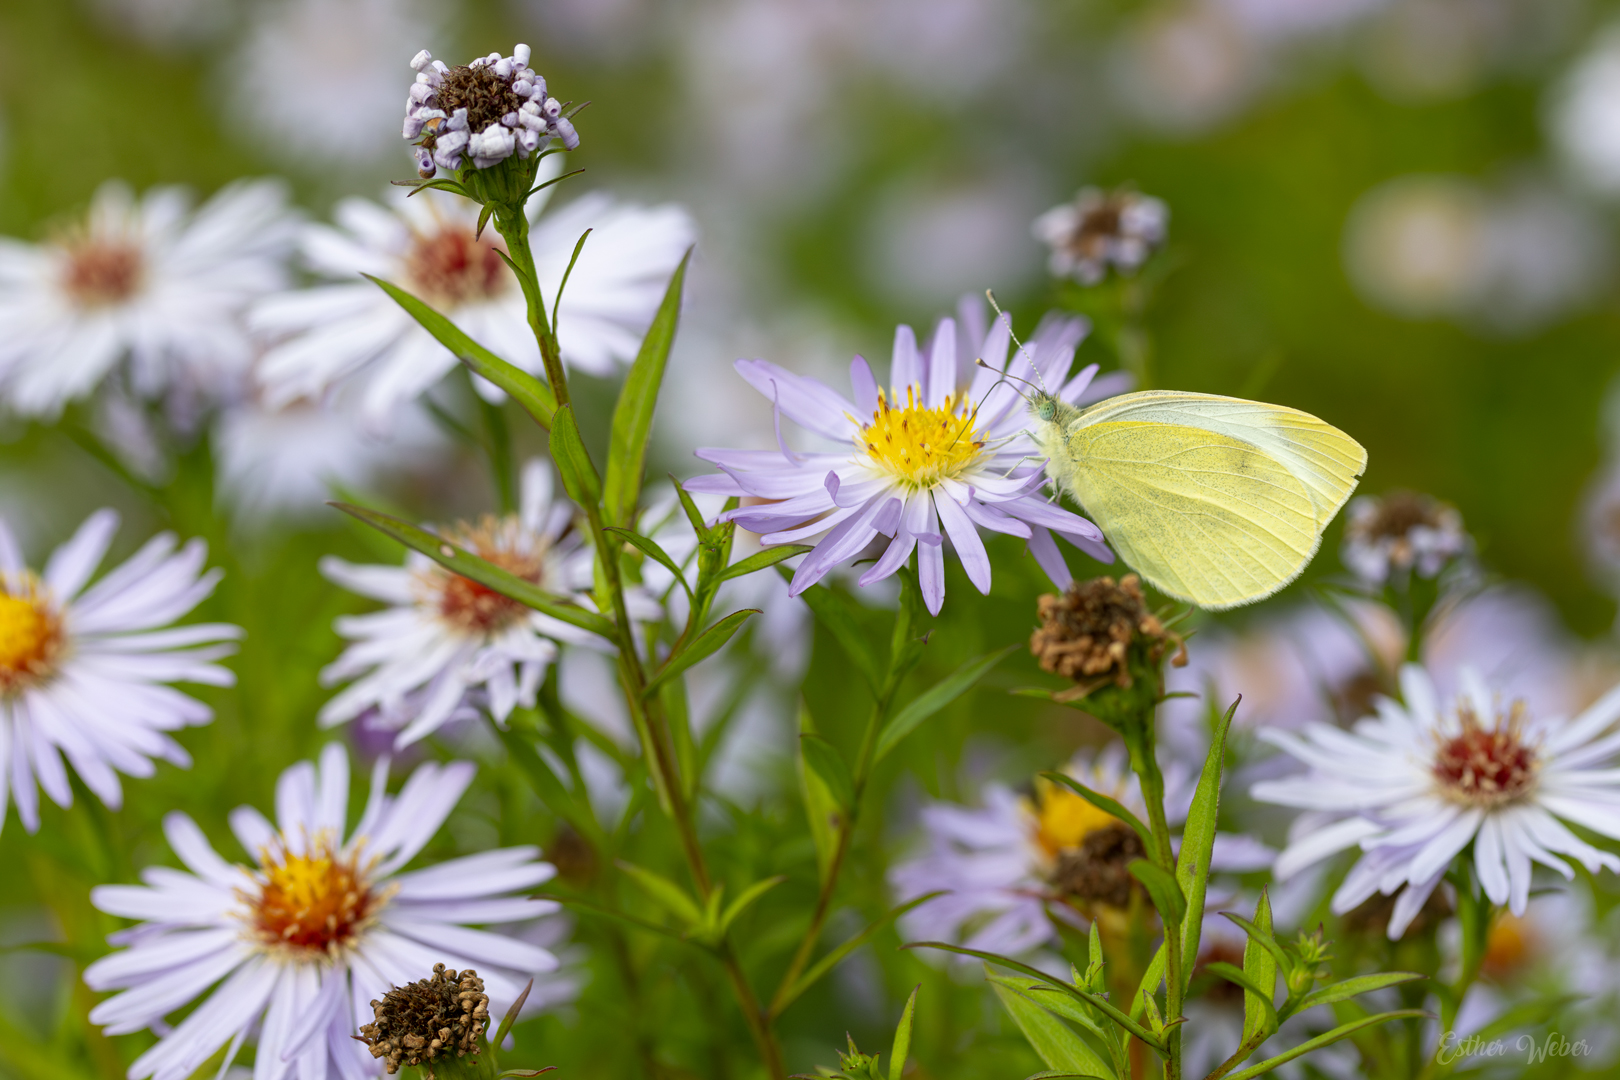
(1145, 762)
(513, 225)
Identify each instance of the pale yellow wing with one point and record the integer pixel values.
(1216, 501)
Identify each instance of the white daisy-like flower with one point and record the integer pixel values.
(287, 462)
(1390, 536)
(448, 641)
(324, 922)
(1417, 784)
(84, 670)
(482, 112)
(349, 336)
(145, 279)
(1011, 866)
(935, 460)
(1102, 229)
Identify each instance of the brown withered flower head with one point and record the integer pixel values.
(1100, 633)
(1098, 871)
(438, 1019)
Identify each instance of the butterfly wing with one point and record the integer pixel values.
(1216, 501)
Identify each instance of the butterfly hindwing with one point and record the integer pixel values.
(1215, 501)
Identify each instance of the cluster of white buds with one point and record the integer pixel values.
(483, 112)
(1102, 229)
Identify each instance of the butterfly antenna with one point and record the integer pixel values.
(1033, 366)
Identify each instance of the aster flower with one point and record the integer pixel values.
(1417, 784)
(323, 922)
(446, 641)
(1387, 537)
(1013, 865)
(1102, 229)
(84, 670)
(482, 112)
(145, 279)
(348, 338)
(935, 461)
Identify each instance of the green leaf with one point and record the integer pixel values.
(746, 898)
(699, 526)
(831, 767)
(825, 815)
(1151, 978)
(511, 1015)
(1055, 1042)
(1106, 805)
(650, 548)
(556, 301)
(573, 460)
(1198, 840)
(1263, 937)
(831, 609)
(706, 645)
(1253, 992)
(759, 560)
(1161, 886)
(1260, 965)
(535, 396)
(1349, 988)
(1325, 1039)
(633, 415)
(1095, 1000)
(902, 1037)
(935, 698)
(591, 907)
(470, 566)
(1052, 1001)
(832, 959)
(668, 895)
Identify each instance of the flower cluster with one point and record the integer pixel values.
(484, 112)
(1388, 537)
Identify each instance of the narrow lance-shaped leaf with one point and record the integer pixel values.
(665, 893)
(633, 415)
(1254, 996)
(935, 698)
(1198, 839)
(649, 547)
(761, 560)
(511, 1015)
(1161, 886)
(902, 1037)
(573, 460)
(1260, 965)
(470, 566)
(832, 959)
(823, 811)
(830, 766)
(1055, 1042)
(746, 898)
(707, 644)
(1325, 1039)
(1106, 805)
(1349, 988)
(831, 612)
(535, 396)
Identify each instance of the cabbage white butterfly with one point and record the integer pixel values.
(1215, 501)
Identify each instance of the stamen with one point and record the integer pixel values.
(31, 638)
(903, 441)
(1486, 768)
(313, 903)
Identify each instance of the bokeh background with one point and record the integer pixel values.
(1401, 215)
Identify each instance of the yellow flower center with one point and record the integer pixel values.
(1063, 819)
(921, 446)
(1509, 947)
(316, 902)
(30, 638)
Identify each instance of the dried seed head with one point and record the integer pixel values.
(1094, 632)
(1098, 871)
(434, 1019)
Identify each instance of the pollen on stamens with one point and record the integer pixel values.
(471, 607)
(31, 637)
(941, 444)
(1486, 766)
(313, 902)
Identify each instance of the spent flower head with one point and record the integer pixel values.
(482, 113)
(441, 1017)
(1100, 633)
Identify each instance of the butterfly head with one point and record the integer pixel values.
(1044, 406)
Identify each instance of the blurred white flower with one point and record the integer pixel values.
(929, 241)
(318, 80)
(1509, 259)
(148, 279)
(446, 641)
(168, 24)
(84, 672)
(351, 337)
(323, 923)
(1389, 537)
(1284, 19)
(1583, 115)
(1186, 67)
(288, 462)
(1101, 230)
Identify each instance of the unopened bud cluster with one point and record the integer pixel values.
(481, 113)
